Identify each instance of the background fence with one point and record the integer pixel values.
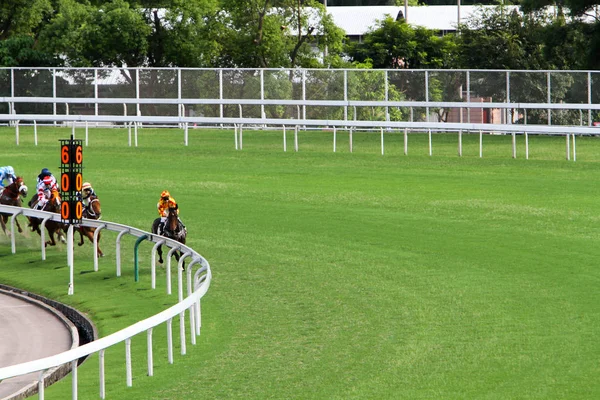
(315, 94)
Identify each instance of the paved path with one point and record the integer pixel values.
(27, 332)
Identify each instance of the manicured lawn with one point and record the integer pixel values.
(340, 275)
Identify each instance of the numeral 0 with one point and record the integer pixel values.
(65, 210)
(78, 210)
(65, 182)
(78, 182)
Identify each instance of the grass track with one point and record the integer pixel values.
(342, 275)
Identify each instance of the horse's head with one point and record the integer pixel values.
(93, 210)
(21, 188)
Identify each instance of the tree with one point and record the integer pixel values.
(278, 33)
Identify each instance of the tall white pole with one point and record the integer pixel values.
(71, 290)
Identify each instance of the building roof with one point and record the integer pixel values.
(357, 21)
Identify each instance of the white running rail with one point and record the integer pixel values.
(197, 285)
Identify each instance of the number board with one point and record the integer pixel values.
(71, 180)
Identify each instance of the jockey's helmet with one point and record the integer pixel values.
(165, 194)
(86, 186)
(45, 172)
(10, 170)
(47, 180)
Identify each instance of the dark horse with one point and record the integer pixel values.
(52, 205)
(92, 211)
(173, 229)
(11, 196)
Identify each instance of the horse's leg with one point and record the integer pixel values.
(159, 251)
(50, 242)
(18, 226)
(81, 230)
(3, 223)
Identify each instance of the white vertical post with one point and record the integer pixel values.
(150, 357)
(135, 134)
(262, 93)
(41, 385)
(70, 259)
(241, 136)
(17, 134)
(303, 94)
(334, 139)
(350, 138)
(235, 136)
(221, 94)
(118, 250)
(192, 308)
(128, 362)
(549, 98)
(526, 145)
(514, 145)
(185, 134)
(382, 141)
(480, 144)
(95, 243)
(405, 141)
(468, 96)
(427, 94)
(284, 140)
(460, 147)
(170, 340)
(430, 142)
(74, 379)
(574, 150)
(568, 148)
(101, 372)
(86, 133)
(346, 94)
(182, 332)
(95, 94)
(296, 138)
(589, 96)
(35, 132)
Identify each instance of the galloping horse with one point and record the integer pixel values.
(11, 196)
(52, 205)
(92, 211)
(173, 229)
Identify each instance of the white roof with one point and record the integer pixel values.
(357, 20)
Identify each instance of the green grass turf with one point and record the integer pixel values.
(341, 275)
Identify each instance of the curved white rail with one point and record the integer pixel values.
(197, 286)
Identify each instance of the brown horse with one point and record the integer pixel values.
(52, 205)
(173, 229)
(92, 211)
(11, 196)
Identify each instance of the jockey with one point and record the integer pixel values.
(6, 173)
(86, 192)
(164, 203)
(46, 184)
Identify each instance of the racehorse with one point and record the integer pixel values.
(52, 205)
(92, 211)
(173, 229)
(11, 196)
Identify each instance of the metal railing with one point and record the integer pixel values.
(196, 286)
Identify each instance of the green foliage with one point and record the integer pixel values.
(22, 17)
(20, 51)
(396, 44)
